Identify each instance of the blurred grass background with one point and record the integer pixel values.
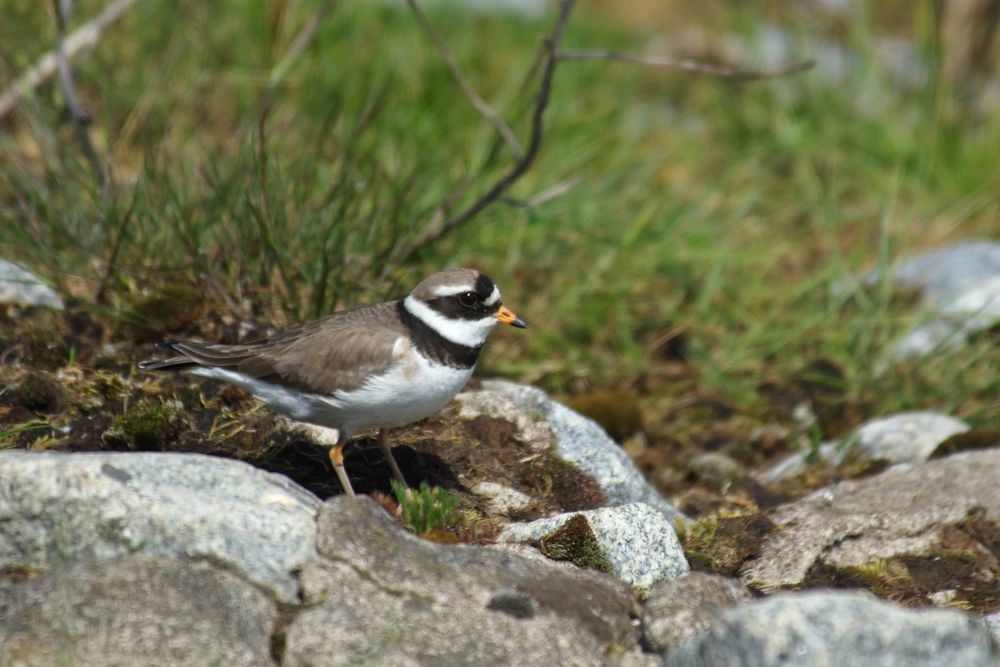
(699, 258)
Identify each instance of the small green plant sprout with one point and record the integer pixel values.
(425, 509)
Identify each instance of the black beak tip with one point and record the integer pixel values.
(519, 324)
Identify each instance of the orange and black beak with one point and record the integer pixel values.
(506, 316)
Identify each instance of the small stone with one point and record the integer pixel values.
(941, 275)
(906, 437)
(23, 287)
(960, 284)
(715, 469)
(634, 541)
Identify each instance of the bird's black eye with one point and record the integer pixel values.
(468, 299)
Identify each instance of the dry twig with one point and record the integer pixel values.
(441, 224)
(552, 41)
(85, 37)
(81, 119)
(484, 109)
(686, 64)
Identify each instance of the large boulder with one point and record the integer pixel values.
(57, 509)
(925, 531)
(582, 442)
(686, 607)
(378, 594)
(837, 628)
(138, 610)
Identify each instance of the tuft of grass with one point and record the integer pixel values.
(426, 509)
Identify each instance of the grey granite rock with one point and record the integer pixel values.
(379, 595)
(686, 607)
(837, 628)
(502, 500)
(584, 443)
(639, 544)
(61, 508)
(973, 310)
(900, 511)
(906, 437)
(940, 276)
(138, 610)
(992, 622)
(23, 287)
(714, 469)
(960, 284)
(485, 403)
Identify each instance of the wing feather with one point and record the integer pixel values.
(336, 353)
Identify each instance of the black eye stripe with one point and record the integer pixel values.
(484, 286)
(452, 308)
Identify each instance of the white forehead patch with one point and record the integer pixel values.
(455, 290)
(451, 290)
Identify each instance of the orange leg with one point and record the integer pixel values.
(383, 444)
(337, 459)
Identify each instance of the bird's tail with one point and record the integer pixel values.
(177, 363)
(197, 354)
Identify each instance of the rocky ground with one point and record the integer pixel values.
(151, 519)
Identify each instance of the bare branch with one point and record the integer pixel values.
(686, 64)
(546, 195)
(85, 37)
(81, 119)
(432, 234)
(484, 109)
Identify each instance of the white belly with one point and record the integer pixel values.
(408, 393)
(411, 390)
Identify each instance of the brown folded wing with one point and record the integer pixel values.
(337, 352)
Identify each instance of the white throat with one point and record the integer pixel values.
(471, 333)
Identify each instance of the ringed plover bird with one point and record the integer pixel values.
(377, 366)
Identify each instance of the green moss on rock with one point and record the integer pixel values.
(724, 541)
(149, 426)
(575, 542)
